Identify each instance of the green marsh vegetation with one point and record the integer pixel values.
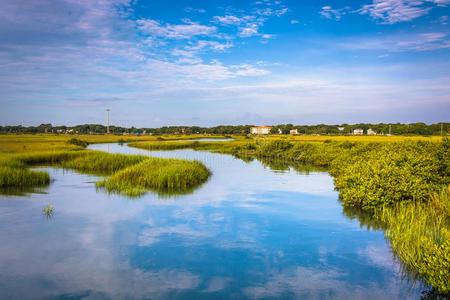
(167, 176)
(167, 145)
(78, 142)
(400, 187)
(131, 175)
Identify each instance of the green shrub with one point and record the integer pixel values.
(78, 142)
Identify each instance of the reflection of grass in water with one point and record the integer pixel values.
(281, 164)
(419, 235)
(22, 191)
(48, 211)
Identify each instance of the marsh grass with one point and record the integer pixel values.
(131, 175)
(218, 147)
(99, 163)
(13, 173)
(47, 211)
(162, 175)
(19, 177)
(419, 234)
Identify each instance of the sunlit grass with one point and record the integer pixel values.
(354, 138)
(222, 147)
(20, 177)
(419, 234)
(163, 175)
(158, 173)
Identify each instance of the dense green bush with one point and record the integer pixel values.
(78, 142)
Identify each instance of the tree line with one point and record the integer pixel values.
(321, 129)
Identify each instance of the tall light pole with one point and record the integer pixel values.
(107, 120)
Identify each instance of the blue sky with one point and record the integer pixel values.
(207, 63)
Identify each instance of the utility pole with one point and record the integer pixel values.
(389, 129)
(442, 128)
(107, 120)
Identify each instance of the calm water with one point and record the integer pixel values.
(248, 233)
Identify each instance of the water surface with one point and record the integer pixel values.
(250, 232)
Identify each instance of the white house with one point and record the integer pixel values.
(358, 131)
(341, 128)
(371, 132)
(293, 131)
(260, 130)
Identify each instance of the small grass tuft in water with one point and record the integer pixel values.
(48, 211)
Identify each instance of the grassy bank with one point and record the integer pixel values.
(419, 235)
(18, 143)
(222, 147)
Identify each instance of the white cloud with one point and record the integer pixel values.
(387, 11)
(249, 24)
(330, 13)
(182, 31)
(198, 10)
(214, 45)
(413, 42)
(190, 61)
(248, 70)
(394, 11)
(231, 20)
(294, 22)
(268, 36)
(178, 52)
(249, 30)
(268, 11)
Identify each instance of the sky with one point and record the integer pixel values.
(207, 63)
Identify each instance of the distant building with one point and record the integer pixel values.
(341, 128)
(260, 130)
(371, 132)
(293, 131)
(358, 131)
(280, 131)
